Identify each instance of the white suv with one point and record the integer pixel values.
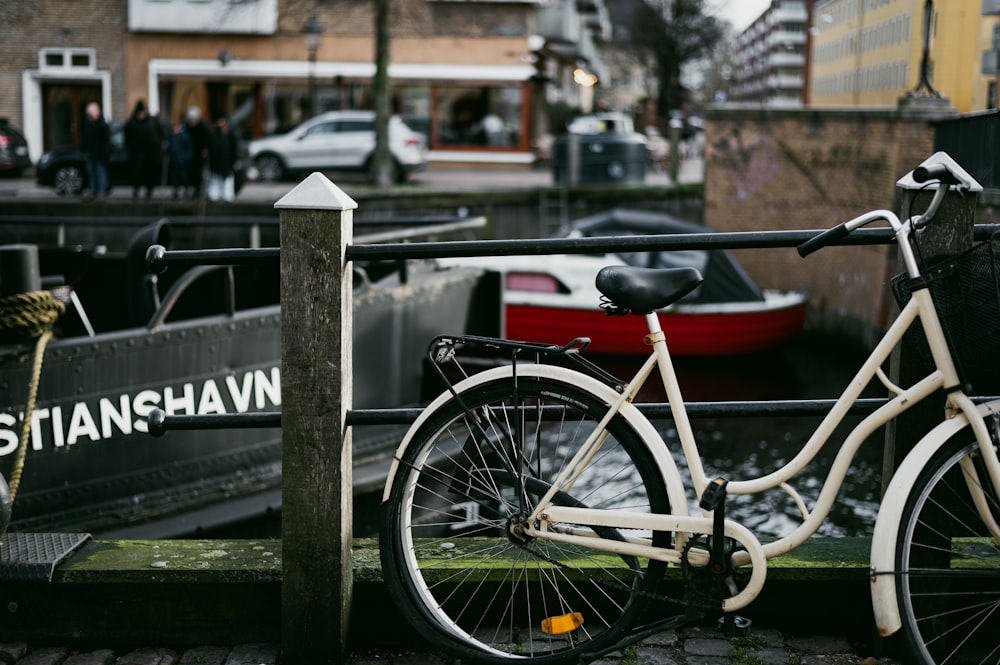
(337, 141)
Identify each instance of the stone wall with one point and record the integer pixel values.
(768, 169)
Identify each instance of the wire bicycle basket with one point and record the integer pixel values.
(966, 294)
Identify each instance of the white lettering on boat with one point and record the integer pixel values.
(110, 416)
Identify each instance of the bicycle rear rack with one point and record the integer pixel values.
(457, 352)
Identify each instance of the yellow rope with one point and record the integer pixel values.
(25, 315)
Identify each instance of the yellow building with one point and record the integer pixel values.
(869, 52)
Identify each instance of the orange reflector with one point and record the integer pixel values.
(561, 625)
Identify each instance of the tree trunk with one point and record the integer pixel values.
(383, 171)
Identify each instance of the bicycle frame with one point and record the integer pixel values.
(547, 517)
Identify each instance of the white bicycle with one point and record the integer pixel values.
(532, 509)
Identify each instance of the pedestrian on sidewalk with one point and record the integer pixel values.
(96, 146)
(144, 141)
(181, 153)
(201, 136)
(222, 154)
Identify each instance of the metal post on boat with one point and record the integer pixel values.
(316, 385)
(19, 273)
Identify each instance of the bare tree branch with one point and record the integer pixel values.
(670, 39)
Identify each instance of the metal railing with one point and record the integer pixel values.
(159, 259)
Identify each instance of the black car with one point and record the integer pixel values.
(65, 168)
(14, 157)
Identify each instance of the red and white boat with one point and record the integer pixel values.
(553, 299)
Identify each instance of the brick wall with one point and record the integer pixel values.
(27, 25)
(811, 169)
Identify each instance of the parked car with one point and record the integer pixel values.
(602, 123)
(337, 141)
(65, 168)
(14, 157)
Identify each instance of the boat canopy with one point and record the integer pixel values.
(725, 278)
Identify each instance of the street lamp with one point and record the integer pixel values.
(312, 31)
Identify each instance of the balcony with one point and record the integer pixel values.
(790, 13)
(779, 38)
(599, 22)
(249, 17)
(784, 59)
(785, 82)
(558, 22)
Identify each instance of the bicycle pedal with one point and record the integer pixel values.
(733, 625)
(714, 494)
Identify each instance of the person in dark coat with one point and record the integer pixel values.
(144, 142)
(222, 156)
(201, 136)
(181, 152)
(96, 146)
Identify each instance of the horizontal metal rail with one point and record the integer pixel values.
(160, 422)
(220, 220)
(543, 246)
(733, 240)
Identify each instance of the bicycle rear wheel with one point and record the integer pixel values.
(949, 582)
(450, 552)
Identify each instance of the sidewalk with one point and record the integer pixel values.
(437, 177)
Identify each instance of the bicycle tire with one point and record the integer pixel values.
(948, 588)
(448, 557)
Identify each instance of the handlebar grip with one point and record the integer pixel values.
(935, 172)
(821, 240)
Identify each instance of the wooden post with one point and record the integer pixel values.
(316, 387)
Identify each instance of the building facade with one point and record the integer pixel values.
(870, 52)
(989, 36)
(269, 64)
(771, 57)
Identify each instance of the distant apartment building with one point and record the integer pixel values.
(771, 57)
(268, 64)
(990, 38)
(870, 52)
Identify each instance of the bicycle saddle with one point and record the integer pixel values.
(643, 290)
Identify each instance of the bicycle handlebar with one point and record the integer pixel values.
(922, 174)
(938, 172)
(821, 240)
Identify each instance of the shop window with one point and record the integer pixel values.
(478, 116)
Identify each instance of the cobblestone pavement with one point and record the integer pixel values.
(688, 646)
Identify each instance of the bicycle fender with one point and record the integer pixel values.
(664, 461)
(883, 547)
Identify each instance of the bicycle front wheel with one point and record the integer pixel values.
(454, 555)
(949, 581)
